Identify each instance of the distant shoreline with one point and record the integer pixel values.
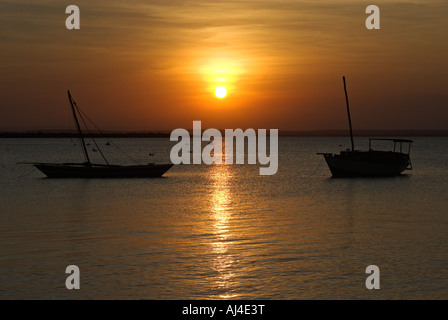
(282, 133)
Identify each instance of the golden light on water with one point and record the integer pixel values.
(223, 261)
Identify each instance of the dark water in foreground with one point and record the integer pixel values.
(223, 231)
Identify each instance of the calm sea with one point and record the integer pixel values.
(223, 231)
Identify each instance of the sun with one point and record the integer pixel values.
(220, 92)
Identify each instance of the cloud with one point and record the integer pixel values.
(281, 45)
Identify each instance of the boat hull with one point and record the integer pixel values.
(102, 171)
(367, 164)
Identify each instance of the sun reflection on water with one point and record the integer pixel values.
(223, 261)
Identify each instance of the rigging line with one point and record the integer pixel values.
(79, 137)
(317, 169)
(96, 127)
(94, 141)
(26, 174)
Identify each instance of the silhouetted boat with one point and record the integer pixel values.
(86, 170)
(91, 170)
(355, 163)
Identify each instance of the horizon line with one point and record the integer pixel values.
(166, 133)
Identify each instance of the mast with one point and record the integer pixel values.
(348, 112)
(79, 129)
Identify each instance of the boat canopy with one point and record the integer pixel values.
(395, 142)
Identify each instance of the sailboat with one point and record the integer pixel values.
(91, 170)
(355, 163)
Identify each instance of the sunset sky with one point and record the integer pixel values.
(154, 65)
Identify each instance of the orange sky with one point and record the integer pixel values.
(149, 65)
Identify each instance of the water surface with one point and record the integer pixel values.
(223, 231)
